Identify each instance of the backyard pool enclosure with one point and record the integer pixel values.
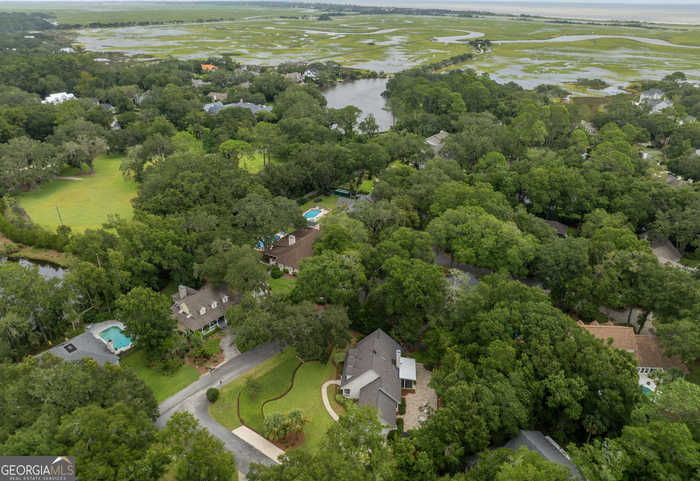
(114, 337)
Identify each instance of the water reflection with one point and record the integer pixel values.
(46, 270)
(365, 94)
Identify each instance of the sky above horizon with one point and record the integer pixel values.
(426, 3)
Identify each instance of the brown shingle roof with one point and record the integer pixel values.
(291, 254)
(623, 337)
(194, 301)
(651, 354)
(646, 348)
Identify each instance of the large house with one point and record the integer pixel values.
(375, 373)
(645, 347)
(202, 310)
(290, 250)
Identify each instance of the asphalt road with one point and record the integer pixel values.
(193, 400)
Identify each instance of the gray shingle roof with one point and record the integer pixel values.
(194, 301)
(536, 441)
(83, 346)
(376, 352)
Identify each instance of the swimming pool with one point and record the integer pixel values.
(278, 236)
(312, 213)
(117, 336)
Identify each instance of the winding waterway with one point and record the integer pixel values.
(563, 39)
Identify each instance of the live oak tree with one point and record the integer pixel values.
(330, 278)
(147, 318)
(46, 389)
(195, 454)
(237, 267)
(412, 290)
(31, 310)
(520, 465)
(108, 443)
(473, 236)
(312, 332)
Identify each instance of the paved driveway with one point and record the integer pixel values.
(193, 400)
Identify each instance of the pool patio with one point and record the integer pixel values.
(97, 329)
(314, 214)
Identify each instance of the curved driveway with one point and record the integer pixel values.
(193, 400)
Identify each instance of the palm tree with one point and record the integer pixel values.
(275, 426)
(297, 421)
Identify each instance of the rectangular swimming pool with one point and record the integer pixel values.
(117, 336)
(312, 213)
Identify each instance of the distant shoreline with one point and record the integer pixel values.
(680, 14)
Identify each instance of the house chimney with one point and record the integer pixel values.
(292, 240)
(398, 357)
(182, 291)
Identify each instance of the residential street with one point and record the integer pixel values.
(193, 399)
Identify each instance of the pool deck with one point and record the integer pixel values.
(321, 212)
(96, 329)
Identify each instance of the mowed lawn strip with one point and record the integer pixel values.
(84, 204)
(306, 396)
(163, 386)
(274, 377)
(253, 163)
(281, 286)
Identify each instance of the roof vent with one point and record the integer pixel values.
(202, 310)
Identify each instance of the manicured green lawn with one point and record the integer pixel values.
(306, 396)
(83, 204)
(162, 386)
(274, 376)
(253, 163)
(281, 286)
(327, 201)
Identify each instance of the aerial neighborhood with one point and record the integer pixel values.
(333, 242)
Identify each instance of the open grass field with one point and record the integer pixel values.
(306, 396)
(162, 386)
(83, 203)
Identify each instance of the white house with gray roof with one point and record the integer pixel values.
(375, 373)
